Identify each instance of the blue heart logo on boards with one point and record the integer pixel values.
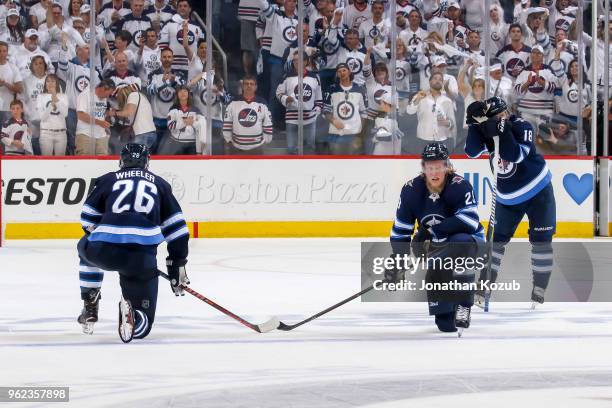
(578, 188)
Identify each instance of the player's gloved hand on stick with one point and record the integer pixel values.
(178, 275)
(394, 274)
(418, 242)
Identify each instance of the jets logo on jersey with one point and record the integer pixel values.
(86, 36)
(355, 65)
(378, 95)
(495, 36)
(345, 110)
(415, 40)
(515, 62)
(400, 74)
(190, 36)
(431, 219)
(54, 111)
(137, 36)
(536, 88)
(457, 180)
(572, 95)
(307, 92)
(375, 33)
(247, 117)
(166, 94)
(81, 83)
(505, 169)
(289, 34)
(329, 48)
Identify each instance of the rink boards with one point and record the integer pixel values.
(268, 197)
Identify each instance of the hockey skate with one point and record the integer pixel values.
(462, 318)
(126, 320)
(537, 296)
(89, 314)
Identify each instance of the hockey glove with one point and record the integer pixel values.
(178, 275)
(418, 242)
(394, 274)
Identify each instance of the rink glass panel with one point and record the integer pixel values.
(554, 134)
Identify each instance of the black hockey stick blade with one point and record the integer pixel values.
(264, 327)
(286, 327)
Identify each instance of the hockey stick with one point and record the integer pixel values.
(491, 226)
(287, 327)
(265, 327)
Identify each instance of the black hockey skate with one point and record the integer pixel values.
(462, 318)
(126, 320)
(537, 296)
(89, 314)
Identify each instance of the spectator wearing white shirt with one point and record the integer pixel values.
(435, 114)
(88, 144)
(148, 57)
(376, 29)
(498, 28)
(13, 35)
(10, 82)
(499, 84)
(22, 56)
(33, 85)
(55, 32)
(136, 111)
(52, 106)
(38, 13)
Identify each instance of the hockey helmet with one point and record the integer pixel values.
(495, 105)
(134, 155)
(434, 151)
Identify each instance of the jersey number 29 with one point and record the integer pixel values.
(143, 200)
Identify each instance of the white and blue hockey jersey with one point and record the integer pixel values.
(133, 206)
(522, 171)
(452, 211)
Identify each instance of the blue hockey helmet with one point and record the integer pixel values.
(495, 105)
(434, 151)
(134, 155)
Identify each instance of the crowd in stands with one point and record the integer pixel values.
(150, 81)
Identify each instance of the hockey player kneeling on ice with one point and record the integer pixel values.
(523, 186)
(126, 216)
(443, 204)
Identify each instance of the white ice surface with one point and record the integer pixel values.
(379, 355)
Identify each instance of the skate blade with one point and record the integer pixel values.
(533, 305)
(88, 328)
(459, 332)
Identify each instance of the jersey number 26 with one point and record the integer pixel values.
(143, 199)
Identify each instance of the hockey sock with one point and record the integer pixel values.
(541, 263)
(89, 277)
(141, 324)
